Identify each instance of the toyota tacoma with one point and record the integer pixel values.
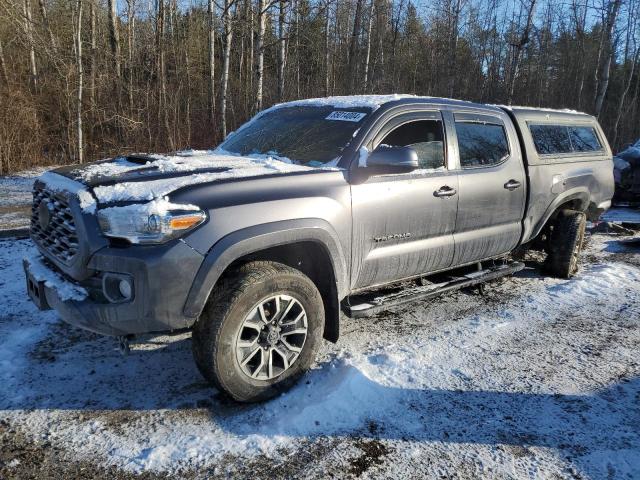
(310, 209)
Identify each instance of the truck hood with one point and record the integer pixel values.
(137, 178)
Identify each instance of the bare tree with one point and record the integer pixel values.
(632, 56)
(367, 57)
(454, 10)
(131, 23)
(327, 50)
(78, 48)
(603, 70)
(579, 15)
(282, 47)
(263, 6)
(162, 73)
(3, 66)
(211, 37)
(570, 55)
(45, 21)
(518, 46)
(354, 47)
(226, 59)
(114, 36)
(28, 28)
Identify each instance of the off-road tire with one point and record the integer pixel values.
(215, 332)
(565, 243)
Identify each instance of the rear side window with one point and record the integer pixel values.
(584, 139)
(551, 139)
(481, 144)
(559, 139)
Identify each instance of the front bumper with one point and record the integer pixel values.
(161, 276)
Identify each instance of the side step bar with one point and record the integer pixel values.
(372, 303)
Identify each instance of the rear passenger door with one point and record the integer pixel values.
(492, 187)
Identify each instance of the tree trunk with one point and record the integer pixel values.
(353, 48)
(131, 19)
(517, 51)
(228, 37)
(251, 51)
(580, 19)
(211, 17)
(327, 51)
(114, 36)
(3, 66)
(282, 44)
(608, 50)
(367, 57)
(162, 73)
(78, 40)
(297, 11)
(45, 21)
(187, 59)
(28, 28)
(623, 96)
(454, 25)
(262, 12)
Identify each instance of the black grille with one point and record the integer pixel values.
(57, 233)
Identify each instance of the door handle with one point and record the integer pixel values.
(445, 191)
(512, 184)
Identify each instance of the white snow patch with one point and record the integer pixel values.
(363, 155)
(87, 202)
(540, 109)
(159, 206)
(65, 289)
(230, 166)
(60, 183)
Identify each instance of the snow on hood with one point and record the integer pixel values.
(151, 177)
(224, 166)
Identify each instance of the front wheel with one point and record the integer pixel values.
(565, 243)
(259, 331)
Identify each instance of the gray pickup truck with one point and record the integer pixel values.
(312, 205)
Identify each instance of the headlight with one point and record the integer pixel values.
(155, 222)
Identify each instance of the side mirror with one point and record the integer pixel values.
(386, 159)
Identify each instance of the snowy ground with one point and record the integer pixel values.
(538, 379)
(15, 198)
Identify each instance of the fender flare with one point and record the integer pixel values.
(259, 237)
(581, 194)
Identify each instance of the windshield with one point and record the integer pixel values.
(306, 135)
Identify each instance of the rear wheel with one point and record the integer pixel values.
(565, 243)
(259, 331)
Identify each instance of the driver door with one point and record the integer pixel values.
(403, 224)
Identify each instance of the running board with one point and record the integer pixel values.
(367, 307)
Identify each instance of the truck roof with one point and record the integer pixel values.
(376, 101)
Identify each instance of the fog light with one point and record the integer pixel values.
(125, 289)
(117, 287)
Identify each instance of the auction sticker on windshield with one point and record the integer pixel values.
(346, 116)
